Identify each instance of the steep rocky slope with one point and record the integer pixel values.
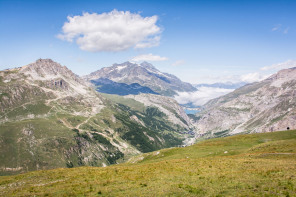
(50, 117)
(265, 106)
(144, 74)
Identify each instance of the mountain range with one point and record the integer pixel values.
(50, 118)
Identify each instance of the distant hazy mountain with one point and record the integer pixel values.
(144, 74)
(269, 105)
(226, 85)
(50, 117)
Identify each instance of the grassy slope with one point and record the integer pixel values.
(53, 141)
(18, 148)
(133, 104)
(153, 119)
(254, 165)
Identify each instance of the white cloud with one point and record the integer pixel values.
(247, 78)
(259, 75)
(267, 71)
(178, 63)
(283, 65)
(113, 31)
(253, 77)
(200, 97)
(148, 57)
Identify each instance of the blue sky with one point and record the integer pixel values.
(200, 41)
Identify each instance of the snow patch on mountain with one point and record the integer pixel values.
(144, 74)
(119, 68)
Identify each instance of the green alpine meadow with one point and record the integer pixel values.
(241, 165)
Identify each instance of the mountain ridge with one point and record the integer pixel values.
(144, 74)
(263, 106)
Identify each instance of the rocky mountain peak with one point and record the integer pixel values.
(127, 63)
(115, 69)
(44, 65)
(148, 66)
(46, 69)
(54, 76)
(144, 74)
(144, 64)
(44, 61)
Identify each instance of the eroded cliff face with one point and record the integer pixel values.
(269, 105)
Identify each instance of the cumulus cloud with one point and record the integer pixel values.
(148, 57)
(113, 31)
(283, 65)
(201, 96)
(178, 63)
